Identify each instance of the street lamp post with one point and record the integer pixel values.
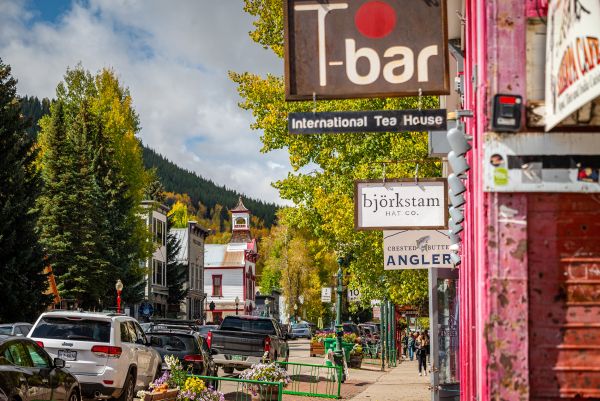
(296, 313)
(237, 304)
(267, 307)
(119, 288)
(339, 328)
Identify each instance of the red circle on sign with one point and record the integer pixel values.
(375, 19)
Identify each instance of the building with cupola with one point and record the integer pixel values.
(230, 270)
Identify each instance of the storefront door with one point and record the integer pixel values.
(443, 315)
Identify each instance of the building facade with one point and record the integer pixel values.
(230, 270)
(192, 240)
(529, 280)
(156, 291)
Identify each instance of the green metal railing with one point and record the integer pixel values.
(243, 390)
(313, 380)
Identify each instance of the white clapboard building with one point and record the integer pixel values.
(230, 270)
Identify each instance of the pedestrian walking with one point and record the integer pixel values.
(411, 346)
(405, 344)
(427, 349)
(421, 352)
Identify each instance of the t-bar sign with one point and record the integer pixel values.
(365, 48)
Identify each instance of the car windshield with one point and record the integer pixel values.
(5, 329)
(172, 342)
(72, 329)
(253, 325)
(203, 330)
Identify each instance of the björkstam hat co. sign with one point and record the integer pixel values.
(365, 48)
(401, 204)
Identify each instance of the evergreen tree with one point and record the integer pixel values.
(95, 180)
(22, 279)
(177, 272)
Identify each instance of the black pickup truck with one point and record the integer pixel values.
(242, 341)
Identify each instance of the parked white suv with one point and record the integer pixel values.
(108, 353)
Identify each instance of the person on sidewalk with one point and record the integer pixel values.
(405, 344)
(421, 347)
(411, 346)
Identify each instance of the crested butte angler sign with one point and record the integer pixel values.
(340, 49)
(417, 249)
(401, 204)
(367, 121)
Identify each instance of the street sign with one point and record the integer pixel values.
(401, 204)
(362, 48)
(146, 309)
(353, 295)
(326, 294)
(367, 121)
(416, 249)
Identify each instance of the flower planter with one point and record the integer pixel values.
(355, 361)
(317, 349)
(168, 395)
(266, 393)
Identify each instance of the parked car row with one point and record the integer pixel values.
(70, 355)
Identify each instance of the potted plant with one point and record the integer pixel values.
(195, 389)
(356, 356)
(266, 372)
(317, 343)
(174, 384)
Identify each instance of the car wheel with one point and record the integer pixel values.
(128, 389)
(74, 396)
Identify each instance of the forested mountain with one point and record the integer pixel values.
(173, 178)
(33, 109)
(178, 180)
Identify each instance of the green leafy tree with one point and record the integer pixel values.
(94, 182)
(179, 215)
(22, 279)
(324, 197)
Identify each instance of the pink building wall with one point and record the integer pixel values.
(493, 285)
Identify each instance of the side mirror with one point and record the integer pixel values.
(59, 363)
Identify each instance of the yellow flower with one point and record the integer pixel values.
(194, 384)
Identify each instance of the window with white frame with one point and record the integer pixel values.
(159, 273)
(158, 231)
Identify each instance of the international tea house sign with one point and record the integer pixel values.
(401, 204)
(339, 49)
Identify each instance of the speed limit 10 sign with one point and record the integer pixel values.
(353, 295)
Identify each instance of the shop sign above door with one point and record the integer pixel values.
(416, 249)
(401, 204)
(365, 48)
(573, 54)
(367, 121)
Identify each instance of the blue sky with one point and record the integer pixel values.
(174, 57)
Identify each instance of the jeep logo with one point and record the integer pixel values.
(66, 344)
(365, 48)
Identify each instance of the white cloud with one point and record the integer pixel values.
(174, 57)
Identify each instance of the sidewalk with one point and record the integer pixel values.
(401, 383)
